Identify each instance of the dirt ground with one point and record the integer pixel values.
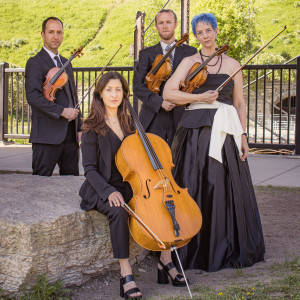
(279, 211)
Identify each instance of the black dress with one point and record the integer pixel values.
(231, 234)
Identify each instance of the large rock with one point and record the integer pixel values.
(44, 231)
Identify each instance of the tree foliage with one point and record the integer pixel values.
(236, 21)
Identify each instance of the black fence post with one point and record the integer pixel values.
(297, 126)
(3, 101)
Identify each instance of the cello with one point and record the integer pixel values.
(165, 215)
(161, 68)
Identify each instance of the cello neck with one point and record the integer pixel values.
(146, 143)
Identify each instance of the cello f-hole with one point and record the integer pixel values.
(147, 197)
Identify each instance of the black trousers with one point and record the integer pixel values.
(118, 225)
(163, 125)
(66, 155)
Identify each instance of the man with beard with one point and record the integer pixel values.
(157, 115)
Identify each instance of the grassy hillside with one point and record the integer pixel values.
(274, 14)
(101, 25)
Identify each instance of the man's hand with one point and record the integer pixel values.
(167, 106)
(70, 113)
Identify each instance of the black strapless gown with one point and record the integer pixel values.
(231, 234)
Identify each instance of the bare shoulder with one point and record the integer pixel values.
(231, 63)
(190, 60)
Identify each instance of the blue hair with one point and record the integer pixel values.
(208, 18)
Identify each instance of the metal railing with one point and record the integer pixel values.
(14, 110)
(271, 92)
(271, 95)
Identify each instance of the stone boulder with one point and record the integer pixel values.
(44, 231)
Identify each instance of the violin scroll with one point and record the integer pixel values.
(222, 49)
(184, 38)
(77, 52)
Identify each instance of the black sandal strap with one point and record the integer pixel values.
(133, 291)
(168, 266)
(127, 279)
(178, 277)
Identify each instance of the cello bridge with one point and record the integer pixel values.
(162, 184)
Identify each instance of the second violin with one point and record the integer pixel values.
(161, 68)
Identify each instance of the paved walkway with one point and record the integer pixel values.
(265, 169)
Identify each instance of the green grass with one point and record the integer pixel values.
(273, 15)
(102, 25)
(23, 18)
(42, 290)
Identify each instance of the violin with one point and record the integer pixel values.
(57, 78)
(198, 73)
(162, 68)
(163, 215)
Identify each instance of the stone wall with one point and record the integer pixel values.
(44, 231)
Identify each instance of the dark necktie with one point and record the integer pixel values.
(58, 63)
(171, 55)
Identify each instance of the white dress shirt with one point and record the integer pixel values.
(52, 55)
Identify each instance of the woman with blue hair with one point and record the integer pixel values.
(209, 151)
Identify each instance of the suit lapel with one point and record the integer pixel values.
(106, 154)
(158, 49)
(47, 59)
(179, 55)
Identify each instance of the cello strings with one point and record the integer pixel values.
(146, 142)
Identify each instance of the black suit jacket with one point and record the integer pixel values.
(48, 127)
(152, 102)
(97, 156)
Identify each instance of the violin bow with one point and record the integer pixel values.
(258, 51)
(101, 73)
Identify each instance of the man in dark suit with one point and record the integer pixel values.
(55, 129)
(157, 115)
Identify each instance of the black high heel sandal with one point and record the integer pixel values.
(162, 275)
(124, 280)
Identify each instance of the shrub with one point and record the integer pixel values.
(274, 21)
(95, 47)
(285, 55)
(297, 4)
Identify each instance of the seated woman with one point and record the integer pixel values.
(209, 152)
(103, 131)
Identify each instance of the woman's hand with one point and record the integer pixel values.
(209, 97)
(116, 199)
(245, 148)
